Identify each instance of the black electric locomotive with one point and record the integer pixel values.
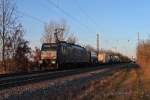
(58, 55)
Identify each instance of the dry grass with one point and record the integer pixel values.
(143, 53)
(143, 57)
(12, 67)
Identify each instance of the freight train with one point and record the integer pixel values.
(61, 54)
(111, 57)
(58, 55)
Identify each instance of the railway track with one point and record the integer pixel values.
(16, 80)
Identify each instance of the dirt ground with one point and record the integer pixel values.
(128, 83)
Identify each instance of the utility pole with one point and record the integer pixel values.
(97, 42)
(3, 35)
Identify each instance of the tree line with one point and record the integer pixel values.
(14, 48)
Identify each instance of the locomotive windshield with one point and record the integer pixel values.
(49, 47)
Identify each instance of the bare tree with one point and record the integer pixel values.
(21, 56)
(72, 39)
(11, 36)
(16, 38)
(7, 23)
(50, 29)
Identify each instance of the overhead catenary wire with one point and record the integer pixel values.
(32, 17)
(68, 14)
(83, 26)
(84, 12)
(46, 6)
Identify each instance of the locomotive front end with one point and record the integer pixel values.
(49, 55)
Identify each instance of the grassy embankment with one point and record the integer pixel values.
(143, 58)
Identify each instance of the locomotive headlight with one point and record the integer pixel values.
(53, 62)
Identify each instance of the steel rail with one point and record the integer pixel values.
(7, 82)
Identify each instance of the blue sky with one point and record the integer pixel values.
(117, 21)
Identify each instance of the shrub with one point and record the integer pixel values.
(143, 53)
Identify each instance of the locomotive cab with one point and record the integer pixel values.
(49, 54)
